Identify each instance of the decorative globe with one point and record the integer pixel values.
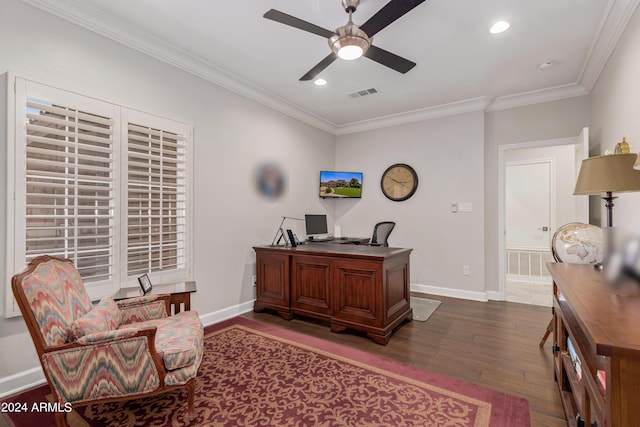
(578, 243)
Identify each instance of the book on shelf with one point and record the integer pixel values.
(572, 350)
(575, 361)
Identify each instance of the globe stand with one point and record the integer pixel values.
(547, 333)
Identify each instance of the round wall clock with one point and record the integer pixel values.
(399, 182)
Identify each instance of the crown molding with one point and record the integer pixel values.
(92, 19)
(618, 14)
(466, 106)
(537, 96)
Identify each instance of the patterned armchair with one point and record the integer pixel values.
(113, 351)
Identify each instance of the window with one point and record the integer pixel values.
(103, 185)
(157, 191)
(69, 187)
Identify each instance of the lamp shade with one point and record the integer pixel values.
(613, 173)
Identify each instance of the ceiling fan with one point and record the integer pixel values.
(352, 41)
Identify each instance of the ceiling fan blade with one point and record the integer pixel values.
(388, 14)
(389, 59)
(319, 67)
(292, 21)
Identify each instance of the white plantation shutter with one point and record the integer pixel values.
(157, 200)
(103, 185)
(69, 187)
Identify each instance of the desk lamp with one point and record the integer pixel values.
(280, 232)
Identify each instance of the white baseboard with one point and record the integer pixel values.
(226, 313)
(21, 381)
(494, 296)
(30, 378)
(448, 292)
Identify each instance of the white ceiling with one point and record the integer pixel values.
(460, 66)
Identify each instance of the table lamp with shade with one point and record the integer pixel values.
(612, 173)
(608, 174)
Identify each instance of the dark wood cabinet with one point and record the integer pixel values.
(596, 346)
(311, 286)
(352, 287)
(357, 289)
(272, 283)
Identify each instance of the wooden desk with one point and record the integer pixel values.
(180, 294)
(364, 288)
(602, 321)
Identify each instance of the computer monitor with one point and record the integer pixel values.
(316, 225)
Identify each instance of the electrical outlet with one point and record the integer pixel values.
(253, 280)
(466, 270)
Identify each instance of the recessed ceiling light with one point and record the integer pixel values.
(499, 27)
(320, 82)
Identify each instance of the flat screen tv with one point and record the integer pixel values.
(341, 185)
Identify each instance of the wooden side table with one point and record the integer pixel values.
(180, 294)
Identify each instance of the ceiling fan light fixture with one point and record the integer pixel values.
(350, 50)
(350, 42)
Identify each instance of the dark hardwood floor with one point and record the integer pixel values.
(493, 344)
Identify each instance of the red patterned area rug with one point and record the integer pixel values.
(255, 374)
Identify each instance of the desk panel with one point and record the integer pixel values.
(311, 279)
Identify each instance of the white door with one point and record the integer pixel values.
(529, 204)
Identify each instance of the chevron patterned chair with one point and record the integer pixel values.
(109, 352)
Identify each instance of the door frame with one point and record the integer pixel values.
(502, 149)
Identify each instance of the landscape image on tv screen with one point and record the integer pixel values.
(341, 184)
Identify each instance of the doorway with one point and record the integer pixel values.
(536, 182)
(530, 215)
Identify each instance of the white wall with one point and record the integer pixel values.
(448, 155)
(540, 122)
(232, 136)
(615, 113)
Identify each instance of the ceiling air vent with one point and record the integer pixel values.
(363, 92)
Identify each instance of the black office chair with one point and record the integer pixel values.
(381, 233)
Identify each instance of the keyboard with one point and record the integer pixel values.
(322, 239)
